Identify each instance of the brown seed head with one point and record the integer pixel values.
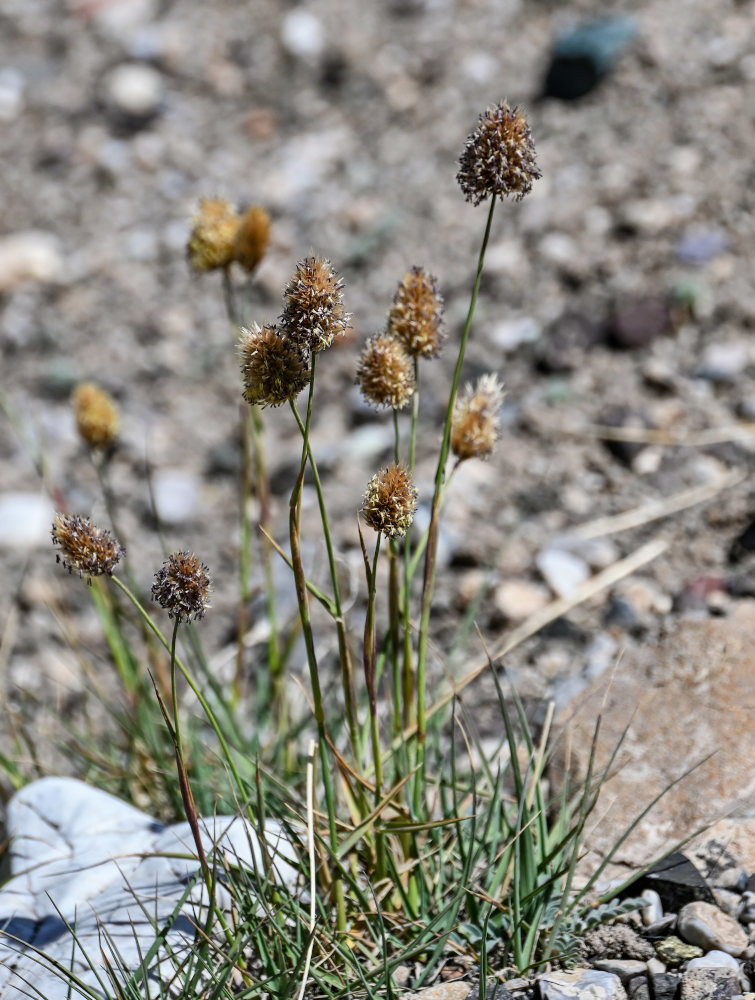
(273, 368)
(252, 237)
(212, 238)
(416, 317)
(313, 311)
(476, 427)
(86, 549)
(390, 501)
(498, 157)
(96, 415)
(385, 373)
(182, 586)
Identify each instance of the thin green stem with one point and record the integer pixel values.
(432, 538)
(370, 669)
(407, 681)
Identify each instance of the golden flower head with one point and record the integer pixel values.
(416, 316)
(182, 586)
(390, 501)
(252, 237)
(385, 373)
(498, 157)
(313, 311)
(476, 427)
(96, 415)
(273, 368)
(212, 238)
(84, 548)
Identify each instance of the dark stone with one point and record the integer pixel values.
(621, 614)
(638, 988)
(742, 585)
(743, 544)
(565, 343)
(694, 595)
(624, 451)
(636, 324)
(664, 986)
(583, 55)
(677, 882)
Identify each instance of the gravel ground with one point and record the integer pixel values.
(619, 292)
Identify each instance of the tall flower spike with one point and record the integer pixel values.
(84, 548)
(313, 311)
(252, 237)
(384, 372)
(273, 369)
(476, 426)
(390, 501)
(211, 242)
(498, 157)
(182, 586)
(96, 415)
(416, 316)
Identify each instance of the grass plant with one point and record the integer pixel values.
(415, 844)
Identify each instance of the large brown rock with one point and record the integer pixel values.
(688, 700)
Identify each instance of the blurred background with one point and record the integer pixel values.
(619, 292)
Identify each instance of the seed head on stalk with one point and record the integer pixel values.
(498, 157)
(211, 241)
(182, 587)
(476, 426)
(273, 368)
(89, 550)
(416, 316)
(384, 372)
(313, 310)
(96, 415)
(390, 501)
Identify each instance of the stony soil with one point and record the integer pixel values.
(620, 291)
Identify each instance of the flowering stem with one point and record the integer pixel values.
(370, 664)
(300, 581)
(408, 664)
(428, 585)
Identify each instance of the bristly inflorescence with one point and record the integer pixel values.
(498, 157)
(390, 501)
(313, 310)
(274, 369)
(384, 373)
(210, 243)
(182, 587)
(416, 316)
(476, 425)
(89, 550)
(96, 415)
(252, 237)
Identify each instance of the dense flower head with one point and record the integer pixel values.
(498, 157)
(252, 237)
(89, 550)
(273, 368)
(211, 242)
(96, 415)
(390, 501)
(476, 425)
(313, 310)
(182, 586)
(416, 317)
(385, 373)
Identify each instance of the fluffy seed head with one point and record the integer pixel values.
(476, 427)
(273, 368)
(313, 311)
(252, 237)
(498, 157)
(212, 238)
(182, 586)
(385, 373)
(96, 415)
(390, 501)
(416, 317)
(84, 548)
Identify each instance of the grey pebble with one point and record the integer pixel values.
(590, 983)
(134, 90)
(562, 571)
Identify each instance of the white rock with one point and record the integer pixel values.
(705, 925)
(562, 571)
(653, 912)
(581, 985)
(80, 857)
(25, 520)
(303, 35)
(512, 333)
(11, 94)
(724, 362)
(176, 495)
(714, 960)
(135, 90)
(29, 256)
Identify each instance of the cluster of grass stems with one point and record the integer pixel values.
(416, 843)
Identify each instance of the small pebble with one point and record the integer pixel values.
(303, 35)
(724, 363)
(176, 494)
(746, 911)
(708, 983)
(29, 256)
(581, 983)
(653, 912)
(673, 951)
(518, 599)
(134, 91)
(714, 959)
(705, 925)
(508, 335)
(562, 571)
(25, 521)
